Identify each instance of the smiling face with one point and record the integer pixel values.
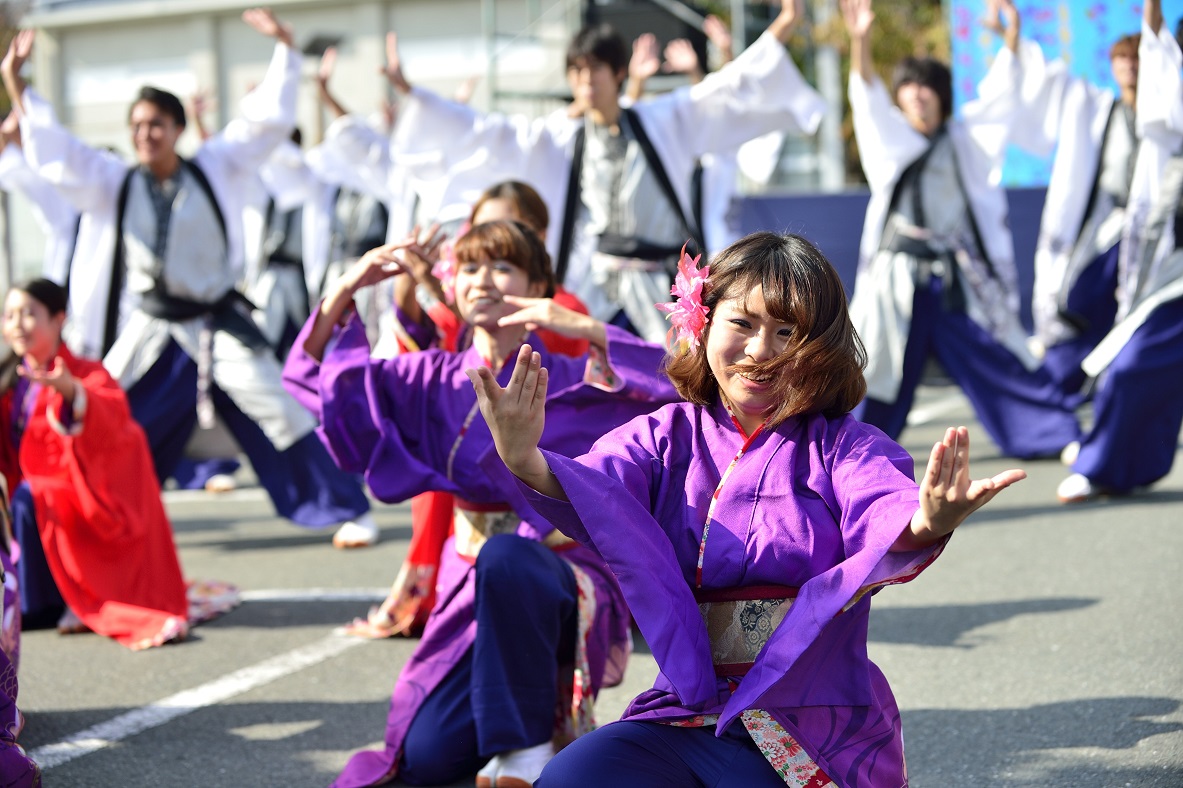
(30, 329)
(741, 334)
(921, 107)
(154, 135)
(481, 286)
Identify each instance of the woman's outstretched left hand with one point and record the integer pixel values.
(947, 493)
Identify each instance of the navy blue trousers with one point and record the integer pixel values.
(1092, 302)
(1023, 412)
(502, 695)
(635, 754)
(305, 485)
(1138, 407)
(41, 603)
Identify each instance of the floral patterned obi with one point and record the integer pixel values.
(740, 621)
(474, 523)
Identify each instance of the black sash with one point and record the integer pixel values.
(157, 302)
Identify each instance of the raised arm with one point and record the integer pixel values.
(791, 14)
(19, 50)
(328, 62)
(947, 494)
(199, 104)
(1002, 17)
(393, 70)
(858, 17)
(1152, 15)
(268, 113)
(642, 66)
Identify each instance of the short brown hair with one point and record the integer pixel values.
(1126, 46)
(530, 206)
(513, 242)
(821, 370)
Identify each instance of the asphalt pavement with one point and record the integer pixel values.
(1043, 648)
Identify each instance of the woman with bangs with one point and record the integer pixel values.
(425, 317)
(528, 623)
(746, 526)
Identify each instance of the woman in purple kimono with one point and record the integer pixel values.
(746, 527)
(528, 625)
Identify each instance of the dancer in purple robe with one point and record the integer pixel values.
(520, 607)
(746, 527)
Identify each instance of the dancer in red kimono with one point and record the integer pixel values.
(84, 483)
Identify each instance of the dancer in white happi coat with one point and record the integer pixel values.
(1138, 405)
(156, 294)
(1092, 133)
(619, 178)
(936, 263)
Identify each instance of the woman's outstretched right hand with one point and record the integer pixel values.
(516, 416)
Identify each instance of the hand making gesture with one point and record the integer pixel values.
(516, 416)
(947, 494)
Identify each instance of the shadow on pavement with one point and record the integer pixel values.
(1013, 747)
(946, 625)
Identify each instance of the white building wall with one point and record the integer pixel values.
(92, 57)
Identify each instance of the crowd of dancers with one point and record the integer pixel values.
(574, 407)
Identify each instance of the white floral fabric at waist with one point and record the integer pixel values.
(473, 527)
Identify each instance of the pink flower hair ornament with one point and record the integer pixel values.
(687, 314)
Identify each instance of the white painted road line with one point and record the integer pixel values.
(315, 595)
(107, 733)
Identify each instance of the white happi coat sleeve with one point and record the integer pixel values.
(89, 179)
(266, 118)
(232, 158)
(452, 152)
(52, 213)
(759, 92)
(887, 145)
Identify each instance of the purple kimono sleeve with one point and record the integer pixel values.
(609, 512)
(423, 334)
(876, 496)
(374, 414)
(335, 391)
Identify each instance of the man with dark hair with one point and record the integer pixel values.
(156, 297)
(617, 180)
(1092, 132)
(600, 43)
(928, 72)
(936, 265)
